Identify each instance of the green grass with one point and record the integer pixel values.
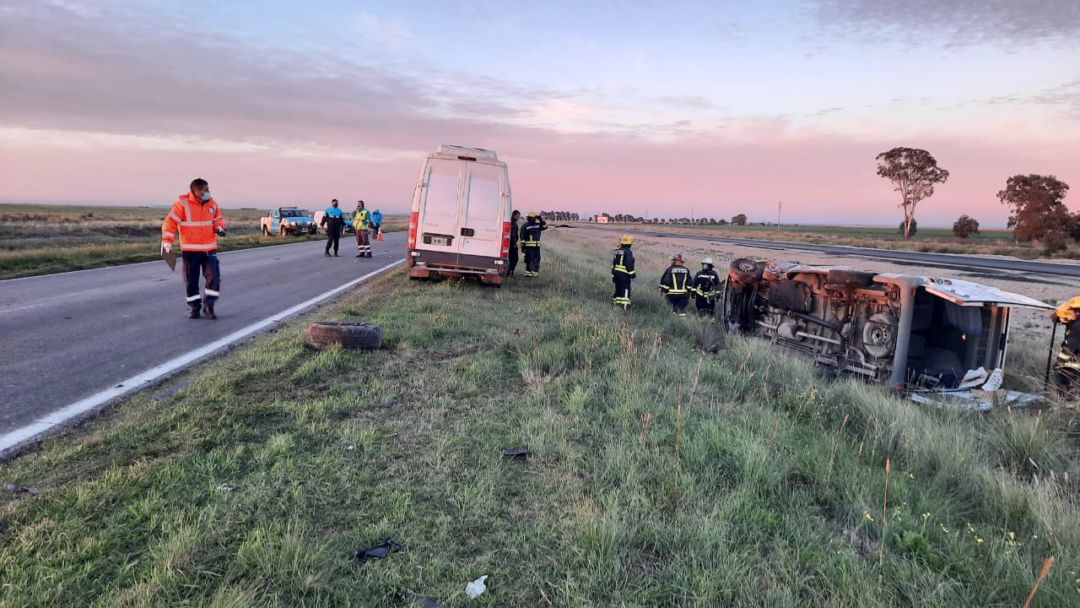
(671, 465)
(41, 239)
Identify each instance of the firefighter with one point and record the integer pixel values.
(334, 221)
(198, 219)
(622, 272)
(704, 287)
(1067, 366)
(513, 261)
(675, 284)
(530, 242)
(360, 224)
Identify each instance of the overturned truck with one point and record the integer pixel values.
(919, 334)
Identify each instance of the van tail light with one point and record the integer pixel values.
(505, 252)
(414, 223)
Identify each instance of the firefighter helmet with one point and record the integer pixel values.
(707, 261)
(677, 258)
(626, 239)
(533, 214)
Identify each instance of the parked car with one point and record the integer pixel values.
(288, 220)
(460, 219)
(916, 333)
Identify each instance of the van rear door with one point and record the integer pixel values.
(439, 225)
(481, 232)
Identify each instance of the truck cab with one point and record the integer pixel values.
(288, 221)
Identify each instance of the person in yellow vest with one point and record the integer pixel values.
(360, 224)
(675, 284)
(1067, 365)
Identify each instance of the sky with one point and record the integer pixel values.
(647, 107)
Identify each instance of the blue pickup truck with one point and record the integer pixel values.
(288, 220)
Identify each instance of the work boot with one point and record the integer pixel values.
(193, 313)
(335, 254)
(359, 255)
(208, 311)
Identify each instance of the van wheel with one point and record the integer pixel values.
(745, 270)
(349, 334)
(849, 278)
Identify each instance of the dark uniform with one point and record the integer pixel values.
(704, 287)
(334, 222)
(1067, 366)
(622, 274)
(530, 243)
(513, 262)
(675, 284)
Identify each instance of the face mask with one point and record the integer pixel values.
(205, 196)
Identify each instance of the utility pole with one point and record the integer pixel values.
(691, 215)
(779, 209)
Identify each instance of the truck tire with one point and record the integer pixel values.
(849, 278)
(349, 334)
(266, 231)
(746, 271)
(281, 232)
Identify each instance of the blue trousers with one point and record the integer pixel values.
(198, 263)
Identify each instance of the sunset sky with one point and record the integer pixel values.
(596, 106)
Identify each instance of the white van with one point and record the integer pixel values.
(460, 220)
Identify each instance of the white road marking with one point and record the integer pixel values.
(56, 419)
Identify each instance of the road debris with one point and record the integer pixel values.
(14, 487)
(515, 453)
(476, 588)
(364, 554)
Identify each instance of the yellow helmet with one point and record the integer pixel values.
(533, 214)
(626, 239)
(1066, 312)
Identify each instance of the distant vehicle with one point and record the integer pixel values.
(919, 334)
(460, 219)
(288, 220)
(345, 213)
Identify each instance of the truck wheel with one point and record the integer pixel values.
(266, 231)
(281, 232)
(349, 334)
(849, 278)
(746, 271)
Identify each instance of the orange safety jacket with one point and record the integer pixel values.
(196, 221)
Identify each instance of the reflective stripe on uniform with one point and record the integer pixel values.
(198, 246)
(198, 223)
(194, 298)
(212, 292)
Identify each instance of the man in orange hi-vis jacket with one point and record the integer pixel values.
(198, 218)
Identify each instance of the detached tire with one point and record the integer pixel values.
(849, 278)
(349, 334)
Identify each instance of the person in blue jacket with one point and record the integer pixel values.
(375, 221)
(333, 221)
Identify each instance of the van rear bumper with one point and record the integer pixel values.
(423, 264)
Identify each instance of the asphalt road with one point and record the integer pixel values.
(938, 260)
(66, 336)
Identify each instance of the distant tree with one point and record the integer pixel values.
(722, 222)
(739, 220)
(911, 228)
(1038, 210)
(965, 226)
(913, 172)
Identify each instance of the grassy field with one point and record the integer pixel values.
(931, 240)
(670, 465)
(40, 239)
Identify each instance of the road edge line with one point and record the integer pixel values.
(13, 442)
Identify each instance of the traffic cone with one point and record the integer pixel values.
(378, 235)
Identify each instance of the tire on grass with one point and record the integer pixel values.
(349, 334)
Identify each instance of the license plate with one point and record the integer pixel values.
(438, 240)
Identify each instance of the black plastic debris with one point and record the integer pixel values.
(515, 453)
(14, 487)
(427, 602)
(363, 554)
